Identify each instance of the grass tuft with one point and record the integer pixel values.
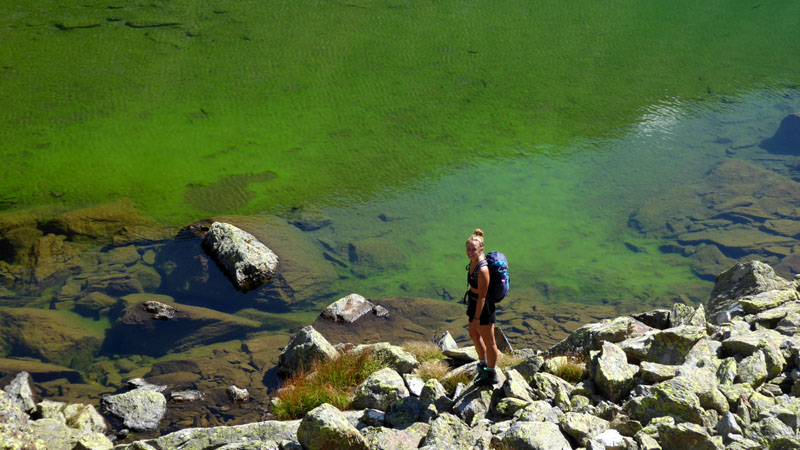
(423, 350)
(329, 381)
(572, 368)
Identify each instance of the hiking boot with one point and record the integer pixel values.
(480, 370)
(487, 377)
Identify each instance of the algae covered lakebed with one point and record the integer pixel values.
(404, 125)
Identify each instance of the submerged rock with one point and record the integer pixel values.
(138, 330)
(348, 309)
(786, 140)
(246, 260)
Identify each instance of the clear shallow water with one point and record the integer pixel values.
(546, 124)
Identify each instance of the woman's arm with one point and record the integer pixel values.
(483, 287)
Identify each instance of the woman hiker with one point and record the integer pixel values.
(481, 311)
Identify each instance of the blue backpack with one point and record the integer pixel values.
(498, 276)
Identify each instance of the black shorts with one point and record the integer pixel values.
(487, 315)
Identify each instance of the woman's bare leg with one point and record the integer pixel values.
(475, 335)
(486, 333)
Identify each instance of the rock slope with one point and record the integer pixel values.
(725, 375)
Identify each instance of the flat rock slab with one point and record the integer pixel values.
(246, 260)
(139, 410)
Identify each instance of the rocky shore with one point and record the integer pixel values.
(724, 375)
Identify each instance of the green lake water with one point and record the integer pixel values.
(546, 124)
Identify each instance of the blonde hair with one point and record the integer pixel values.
(477, 236)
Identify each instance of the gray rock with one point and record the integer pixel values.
(657, 318)
(19, 391)
(379, 390)
(687, 436)
(728, 424)
(545, 386)
(462, 354)
(78, 416)
(670, 346)
(140, 383)
(380, 438)
(515, 386)
(582, 427)
(186, 396)
(414, 383)
(348, 309)
(612, 440)
(784, 443)
(647, 442)
(139, 410)
(743, 279)
(763, 301)
(538, 411)
(752, 369)
(402, 413)
(529, 367)
(681, 315)
(216, 437)
(446, 341)
(767, 430)
(591, 336)
(789, 325)
(306, 347)
(447, 431)
(56, 435)
(395, 356)
(673, 397)
(160, 311)
(612, 375)
(531, 436)
(474, 403)
(433, 400)
(654, 372)
(326, 427)
(373, 417)
(508, 406)
(245, 259)
(745, 344)
(237, 395)
(704, 353)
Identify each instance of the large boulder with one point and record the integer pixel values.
(684, 436)
(591, 336)
(742, 280)
(139, 409)
(146, 328)
(668, 346)
(381, 438)
(19, 390)
(675, 398)
(582, 427)
(448, 431)
(379, 390)
(306, 347)
(433, 400)
(612, 374)
(394, 356)
(325, 427)
(531, 436)
(256, 434)
(246, 260)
